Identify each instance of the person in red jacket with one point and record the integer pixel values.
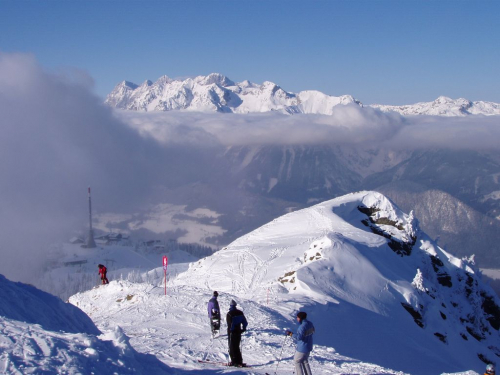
(102, 272)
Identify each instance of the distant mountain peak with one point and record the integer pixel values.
(215, 78)
(128, 84)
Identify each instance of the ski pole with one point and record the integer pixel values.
(281, 354)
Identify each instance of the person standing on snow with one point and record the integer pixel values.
(304, 344)
(214, 312)
(102, 271)
(236, 325)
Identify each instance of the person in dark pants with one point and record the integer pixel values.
(102, 272)
(236, 325)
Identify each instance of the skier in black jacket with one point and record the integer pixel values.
(236, 325)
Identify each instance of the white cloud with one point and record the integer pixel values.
(348, 125)
(57, 139)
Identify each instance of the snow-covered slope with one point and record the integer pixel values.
(444, 106)
(39, 334)
(28, 304)
(175, 329)
(379, 289)
(217, 93)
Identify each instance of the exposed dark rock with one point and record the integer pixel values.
(417, 317)
(443, 278)
(368, 211)
(284, 279)
(441, 337)
(474, 334)
(464, 336)
(399, 247)
(491, 310)
(483, 358)
(443, 315)
(386, 221)
(495, 350)
(436, 263)
(469, 285)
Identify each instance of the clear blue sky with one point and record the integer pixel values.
(390, 52)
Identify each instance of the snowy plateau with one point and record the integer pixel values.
(217, 93)
(383, 296)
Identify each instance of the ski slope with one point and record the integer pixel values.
(175, 329)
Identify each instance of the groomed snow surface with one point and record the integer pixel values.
(323, 260)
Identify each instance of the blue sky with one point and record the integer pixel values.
(389, 52)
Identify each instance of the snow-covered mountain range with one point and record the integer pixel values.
(444, 106)
(217, 93)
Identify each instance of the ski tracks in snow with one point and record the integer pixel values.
(175, 329)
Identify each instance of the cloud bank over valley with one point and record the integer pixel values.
(348, 125)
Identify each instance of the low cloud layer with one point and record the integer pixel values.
(349, 125)
(57, 139)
